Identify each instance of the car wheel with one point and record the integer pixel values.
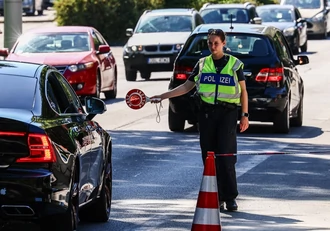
(112, 94)
(298, 121)
(145, 75)
(175, 121)
(304, 47)
(131, 75)
(282, 120)
(99, 211)
(97, 86)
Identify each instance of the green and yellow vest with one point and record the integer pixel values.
(228, 89)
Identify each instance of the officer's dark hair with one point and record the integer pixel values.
(217, 32)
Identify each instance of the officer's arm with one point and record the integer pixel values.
(180, 90)
(244, 97)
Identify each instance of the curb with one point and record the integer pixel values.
(34, 21)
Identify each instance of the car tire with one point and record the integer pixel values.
(100, 210)
(145, 75)
(131, 75)
(303, 48)
(175, 121)
(97, 86)
(282, 120)
(298, 121)
(112, 94)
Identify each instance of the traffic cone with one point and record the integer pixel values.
(207, 214)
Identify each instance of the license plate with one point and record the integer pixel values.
(159, 60)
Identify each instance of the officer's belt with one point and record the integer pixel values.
(220, 104)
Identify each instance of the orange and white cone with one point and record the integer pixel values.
(207, 214)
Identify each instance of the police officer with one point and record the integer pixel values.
(220, 83)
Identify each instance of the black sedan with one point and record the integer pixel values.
(55, 161)
(288, 19)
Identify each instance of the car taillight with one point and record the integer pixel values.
(41, 150)
(182, 73)
(273, 74)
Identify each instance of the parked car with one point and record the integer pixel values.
(156, 40)
(80, 53)
(230, 13)
(29, 7)
(275, 88)
(55, 160)
(316, 13)
(288, 19)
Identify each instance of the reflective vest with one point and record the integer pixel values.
(226, 83)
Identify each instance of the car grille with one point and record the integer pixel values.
(158, 48)
(61, 69)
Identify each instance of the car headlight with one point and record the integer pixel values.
(318, 17)
(288, 31)
(134, 48)
(81, 66)
(178, 46)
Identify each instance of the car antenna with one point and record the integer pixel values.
(231, 22)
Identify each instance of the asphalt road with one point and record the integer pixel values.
(157, 173)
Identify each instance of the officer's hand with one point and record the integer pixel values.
(156, 99)
(244, 123)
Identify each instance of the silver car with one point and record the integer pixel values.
(316, 13)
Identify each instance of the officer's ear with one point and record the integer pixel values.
(224, 43)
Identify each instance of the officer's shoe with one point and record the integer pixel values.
(231, 205)
(222, 206)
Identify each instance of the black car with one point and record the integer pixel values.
(288, 19)
(274, 85)
(230, 13)
(156, 40)
(55, 161)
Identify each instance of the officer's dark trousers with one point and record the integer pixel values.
(217, 126)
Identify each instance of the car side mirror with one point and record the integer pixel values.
(4, 52)
(129, 32)
(257, 20)
(302, 60)
(94, 106)
(103, 49)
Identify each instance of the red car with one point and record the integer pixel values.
(80, 53)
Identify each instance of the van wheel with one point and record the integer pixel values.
(282, 120)
(298, 121)
(175, 121)
(130, 75)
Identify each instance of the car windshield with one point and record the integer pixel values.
(236, 15)
(238, 44)
(165, 23)
(17, 92)
(53, 42)
(303, 4)
(276, 15)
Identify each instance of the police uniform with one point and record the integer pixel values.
(218, 115)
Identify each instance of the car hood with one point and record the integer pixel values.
(308, 13)
(158, 38)
(280, 25)
(53, 59)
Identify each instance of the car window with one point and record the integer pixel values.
(17, 92)
(52, 42)
(96, 40)
(236, 15)
(61, 96)
(164, 23)
(281, 47)
(304, 4)
(239, 44)
(276, 15)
